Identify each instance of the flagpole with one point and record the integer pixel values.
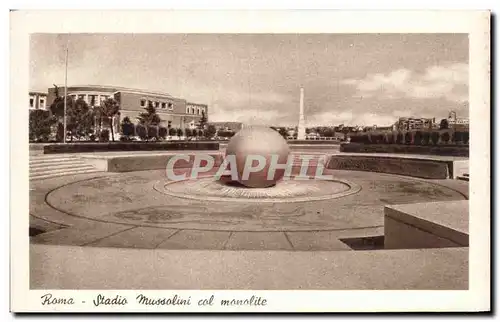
(65, 93)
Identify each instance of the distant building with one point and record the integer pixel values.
(227, 126)
(414, 123)
(37, 101)
(453, 120)
(384, 128)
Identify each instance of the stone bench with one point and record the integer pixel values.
(427, 167)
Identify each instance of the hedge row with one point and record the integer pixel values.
(128, 146)
(413, 138)
(314, 142)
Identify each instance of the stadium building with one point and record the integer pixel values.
(38, 100)
(174, 112)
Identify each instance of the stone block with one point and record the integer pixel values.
(427, 225)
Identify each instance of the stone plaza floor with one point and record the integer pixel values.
(131, 210)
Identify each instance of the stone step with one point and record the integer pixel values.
(57, 166)
(52, 160)
(60, 174)
(61, 169)
(463, 178)
(466, 175)
(312, 162)
(53, 156)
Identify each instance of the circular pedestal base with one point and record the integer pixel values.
(291, 190)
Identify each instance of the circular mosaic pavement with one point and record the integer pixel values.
(351, 200)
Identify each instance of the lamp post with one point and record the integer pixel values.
(65, 95)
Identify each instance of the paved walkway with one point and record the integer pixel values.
(124, 210)
(89, 268)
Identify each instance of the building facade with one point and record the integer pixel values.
(227, 126)
(453, 120)
(415, 123)
(37, 101)
(174, 112)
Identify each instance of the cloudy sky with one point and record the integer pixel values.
(355, 79)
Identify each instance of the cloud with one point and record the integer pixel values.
(246, 116)
(448, 81)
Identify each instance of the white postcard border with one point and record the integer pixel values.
(477, 24)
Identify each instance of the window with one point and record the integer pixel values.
(157, 104)
(31, 101)
(143, 103)
(92, 100)
(170, 105)
(81, 97)
(163, 105)
(150, 103)
(42, 102)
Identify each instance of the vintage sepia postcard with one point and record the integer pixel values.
(250, 161)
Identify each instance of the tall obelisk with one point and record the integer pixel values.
(301, 129)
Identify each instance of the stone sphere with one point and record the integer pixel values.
(260, 141)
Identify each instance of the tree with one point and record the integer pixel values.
(308, 130)
(128, 128)
(108, 110)
(79, 119)
(407, 138)
(189, 133)
(152, 132)
(400, 138)
(203, 120)
(104, 135)
(142, 133)
(172, 131)
(328, 132)
(283, 132)
(417, 139)
(445, 137)
(457, 137)
(57, 106)
(389, 138)
(211, 130)
(162, 132)
(57, 111)
(179, 132)
(434, 137)
(426, 137)
(149, 117)
(465, 137)
(40, 124)
(443, 125)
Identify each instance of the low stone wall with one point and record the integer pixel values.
(447, 150)
(420, 168)
(142, 162)
(427, 225)
(128, 146)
